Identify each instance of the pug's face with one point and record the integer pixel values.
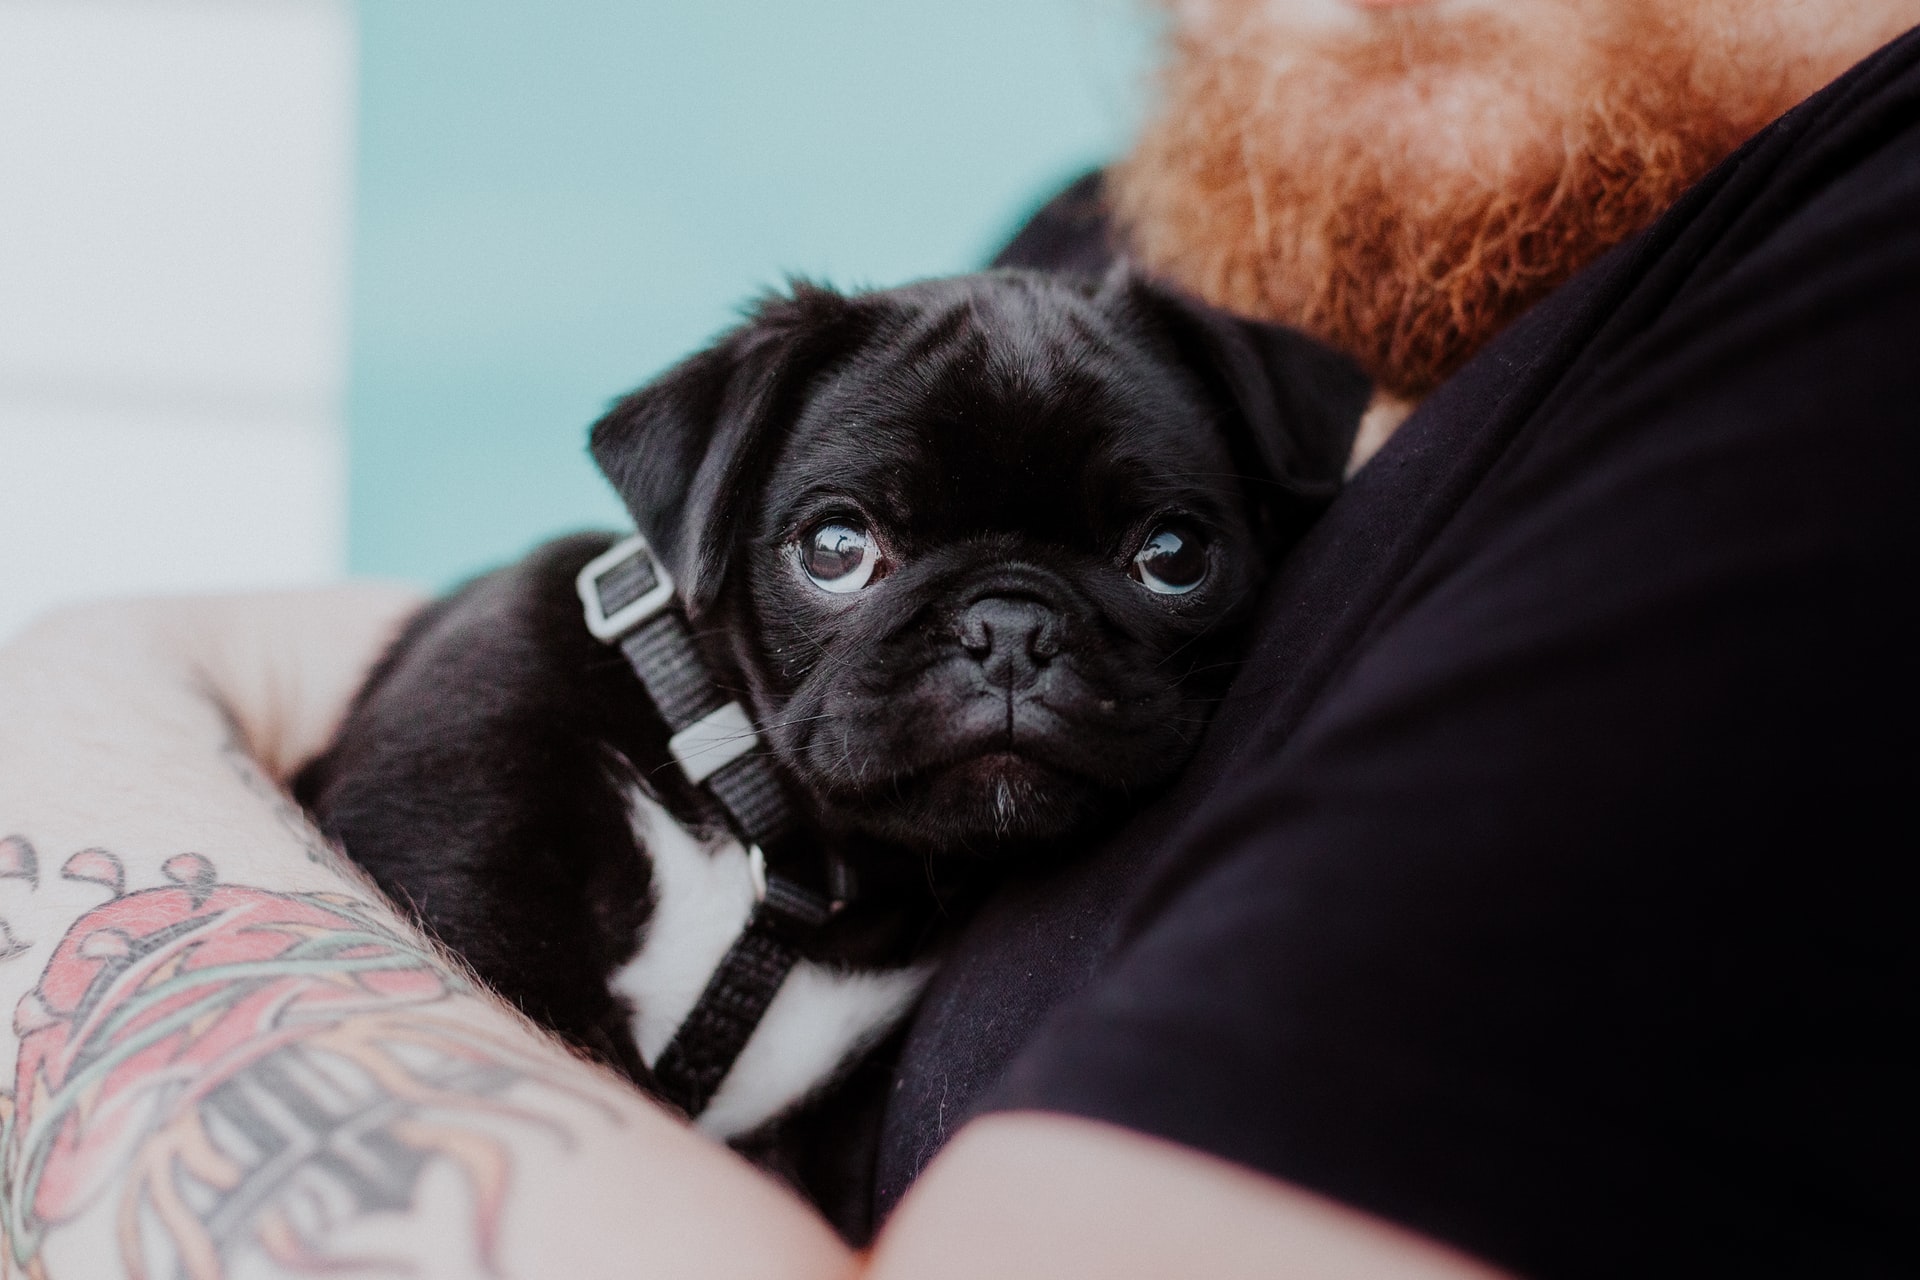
(979, 551)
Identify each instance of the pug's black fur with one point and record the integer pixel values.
(1004, 685)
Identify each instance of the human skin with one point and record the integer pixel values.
(259, 993)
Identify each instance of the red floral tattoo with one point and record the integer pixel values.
(239, 1070)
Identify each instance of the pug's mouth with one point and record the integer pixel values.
(983, 770)
(979, 795)
(995, 741)
(1003, 776)
(994, 766)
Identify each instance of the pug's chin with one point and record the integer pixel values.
(994, 804)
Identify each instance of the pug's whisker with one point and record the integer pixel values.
(1227, 665)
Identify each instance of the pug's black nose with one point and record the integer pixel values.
(1010, 638)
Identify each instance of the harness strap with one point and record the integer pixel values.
(704, 1047)
(629, 601)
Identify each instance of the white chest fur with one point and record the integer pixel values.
(821, 1016)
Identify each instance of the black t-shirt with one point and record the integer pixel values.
(1538, 885)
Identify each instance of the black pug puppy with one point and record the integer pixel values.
(964, 562)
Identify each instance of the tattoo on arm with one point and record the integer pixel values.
(244, 1076)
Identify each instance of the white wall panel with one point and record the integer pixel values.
(174, 213)
(135, 503)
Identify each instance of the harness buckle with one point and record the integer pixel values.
(622, 587)
(713, 742)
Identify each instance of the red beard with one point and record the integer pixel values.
(1405, 187)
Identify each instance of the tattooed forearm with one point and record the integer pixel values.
(20, 862)
(225, 1078)
(237, 756)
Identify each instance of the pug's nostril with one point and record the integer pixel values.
(1011, 639)
(1044, 644)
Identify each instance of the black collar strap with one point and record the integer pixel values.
(630, 603)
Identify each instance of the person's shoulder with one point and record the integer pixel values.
(1831, 190)
(1778, 296)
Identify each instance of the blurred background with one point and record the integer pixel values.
(296, 288)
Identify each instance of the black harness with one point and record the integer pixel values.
(630, 603)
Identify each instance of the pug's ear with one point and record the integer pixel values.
(1295, 404)
(686, 451)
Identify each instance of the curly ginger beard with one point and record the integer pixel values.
(1401, 182)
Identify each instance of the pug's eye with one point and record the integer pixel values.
(839, 556)
(1171, 562)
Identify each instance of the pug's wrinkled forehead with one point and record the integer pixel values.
(967, 403)
(1003, 412)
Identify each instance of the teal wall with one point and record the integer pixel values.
(556, 200)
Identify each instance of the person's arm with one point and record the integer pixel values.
(1039, 1196)
(229, 1057)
